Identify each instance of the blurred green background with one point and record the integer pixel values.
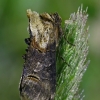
(13, 31)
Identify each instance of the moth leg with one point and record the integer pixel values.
(70, 43)
(65, 61)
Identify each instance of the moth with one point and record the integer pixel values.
(38, 81)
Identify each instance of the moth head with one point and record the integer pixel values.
(43, 29)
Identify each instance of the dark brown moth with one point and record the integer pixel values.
(38, 81)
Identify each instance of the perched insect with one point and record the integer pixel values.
(38, 81)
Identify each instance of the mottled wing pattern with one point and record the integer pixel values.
(38, 81)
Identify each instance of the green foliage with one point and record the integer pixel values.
(72, 56)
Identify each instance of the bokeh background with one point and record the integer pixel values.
(13, 31)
